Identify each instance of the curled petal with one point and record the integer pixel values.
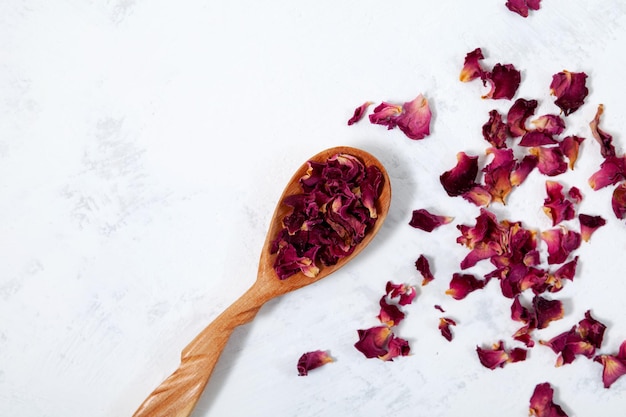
(504, 81)
(471, 67)
(550, 160)
(497, 356)
(537, 138)
(423, 266)
(570, 147)
(463, 284)
(389, 314)
(519, 112)
(569, 89)
(547, 311)
(618, 201)
(478, 195)
(575, 195)
(561, 242)
(359, 112)
(612, 170)
(589, 224)
(424, 220)
(444, 327)
(604, 139)
(373, 342)
(497, 174)
(396, 347)
(614, 366)
(495, 131)
(542, 403)
(385, 114)
(312, 360)
(462, 177)
(550, 124)
(523, 169)
(556, 206)
(415, 118)
(403, 292)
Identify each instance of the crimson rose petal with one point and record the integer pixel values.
(463, 284)
(550, 160)
(504, 80)
(551, 124)
(415, 118)
(385, 114)
(396, 347)
(424, 220)
(604, 139)
(521, 7)
(589, 224)
(561, 242)
(519, 112)
(462, 177)
(405, 293)
(618, 201)
(542, 403)
(612, 170)
(389, 314)
(444, 327)
(373, 341)
(312, 360)
(495, 131)
(569, 89)
(556, 206)
(471, 67)
(614, 366)
(423, 266)
(497, 356)
(570, 147)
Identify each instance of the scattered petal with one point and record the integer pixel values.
(547, 311)
(612, 170)
(561, 242)
(403, 292)
(438, 307)
(497, 356)
(523, 169)
(519, 112)
(373, 342)
(495, 131)
(386, 114)
(614, 366)
(461, 178)
(604, 139)
(415, 118)
(471, 67)
(542, 403)
(424, 220)
(463, 284)
(550, 160)
(521, 7)
(423, 266)
(556, 206)
(444, 327)
(312, 360)
(504, 80)
(575, 194)
(570, 147)
(569, 89)
(551, 124)
(359, 113)
(589, 224)
(536, 138)
(497, 174)
(618, 201)
(389, 314)
(396, 347)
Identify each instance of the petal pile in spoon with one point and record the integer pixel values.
(539, 262)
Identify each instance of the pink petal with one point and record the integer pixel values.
(389, 314)
(561, 242)
(415, 118)
(604, 139)
(373, 341)
(385, 114)
(359, 112)
(556, 206)
(550, 160)
(614, 366)
(550, 124)
(403, 292)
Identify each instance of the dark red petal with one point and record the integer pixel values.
(591, 330)
(444, 327)
(385, 114)
(403, 292)
(471, 67)
(618, 201)
(589, 224)
(556, 206)
(550, 160)
(497, 356)
(389, 314)
(612, 170)
(312, 360)
(542, 403)
(550, 124)
(462, 177)
(523, 169)
(497, 174)
(396, 347)
(570, 147)
(521, 7)
(373, 341)
(569, 89)
(463, 284)
(423, 266)
(521, 110)
(424, 220)
(495, 131)
(604, 139)
(359, 112)
(547, 311)
(504, 80)
(536, 138)
(561, 242)
(614, 366)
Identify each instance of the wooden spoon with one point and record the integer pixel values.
(179, 393)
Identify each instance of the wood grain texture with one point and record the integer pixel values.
(178, 394)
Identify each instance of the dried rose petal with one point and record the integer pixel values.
(462, 177)
(570, 146)
(569, 89)
(423, 266)
(463, 284)
(575, 194)
(582, 339)
(312, 360)
(444, 327)
(604, 139)
(497, 174)
(497, 356)
(551, 124)
(438, 307)
(556, 206)
(561, 242)
(523, 169)
(536, 138)
(396, 347)
(550, 160)
(519, 112)
(415, 118)
(385, 114)
(521, 7)
(618, 201)
(495, 131)
(612, 170)
(403, 292)
(504, 81)
(547, 311)
(614, 366)
(359, 112)
(424, 220)
(471, 67)
(478, 195)
(589, 224)
(542, 403)
(373, 342)
(389, 314)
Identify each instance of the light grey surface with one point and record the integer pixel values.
(143, 146)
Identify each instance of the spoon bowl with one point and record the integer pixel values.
(177, 395)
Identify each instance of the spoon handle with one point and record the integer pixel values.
(178, 394)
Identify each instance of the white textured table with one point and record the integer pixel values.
(143, 146)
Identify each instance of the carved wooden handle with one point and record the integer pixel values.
(179, 393)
